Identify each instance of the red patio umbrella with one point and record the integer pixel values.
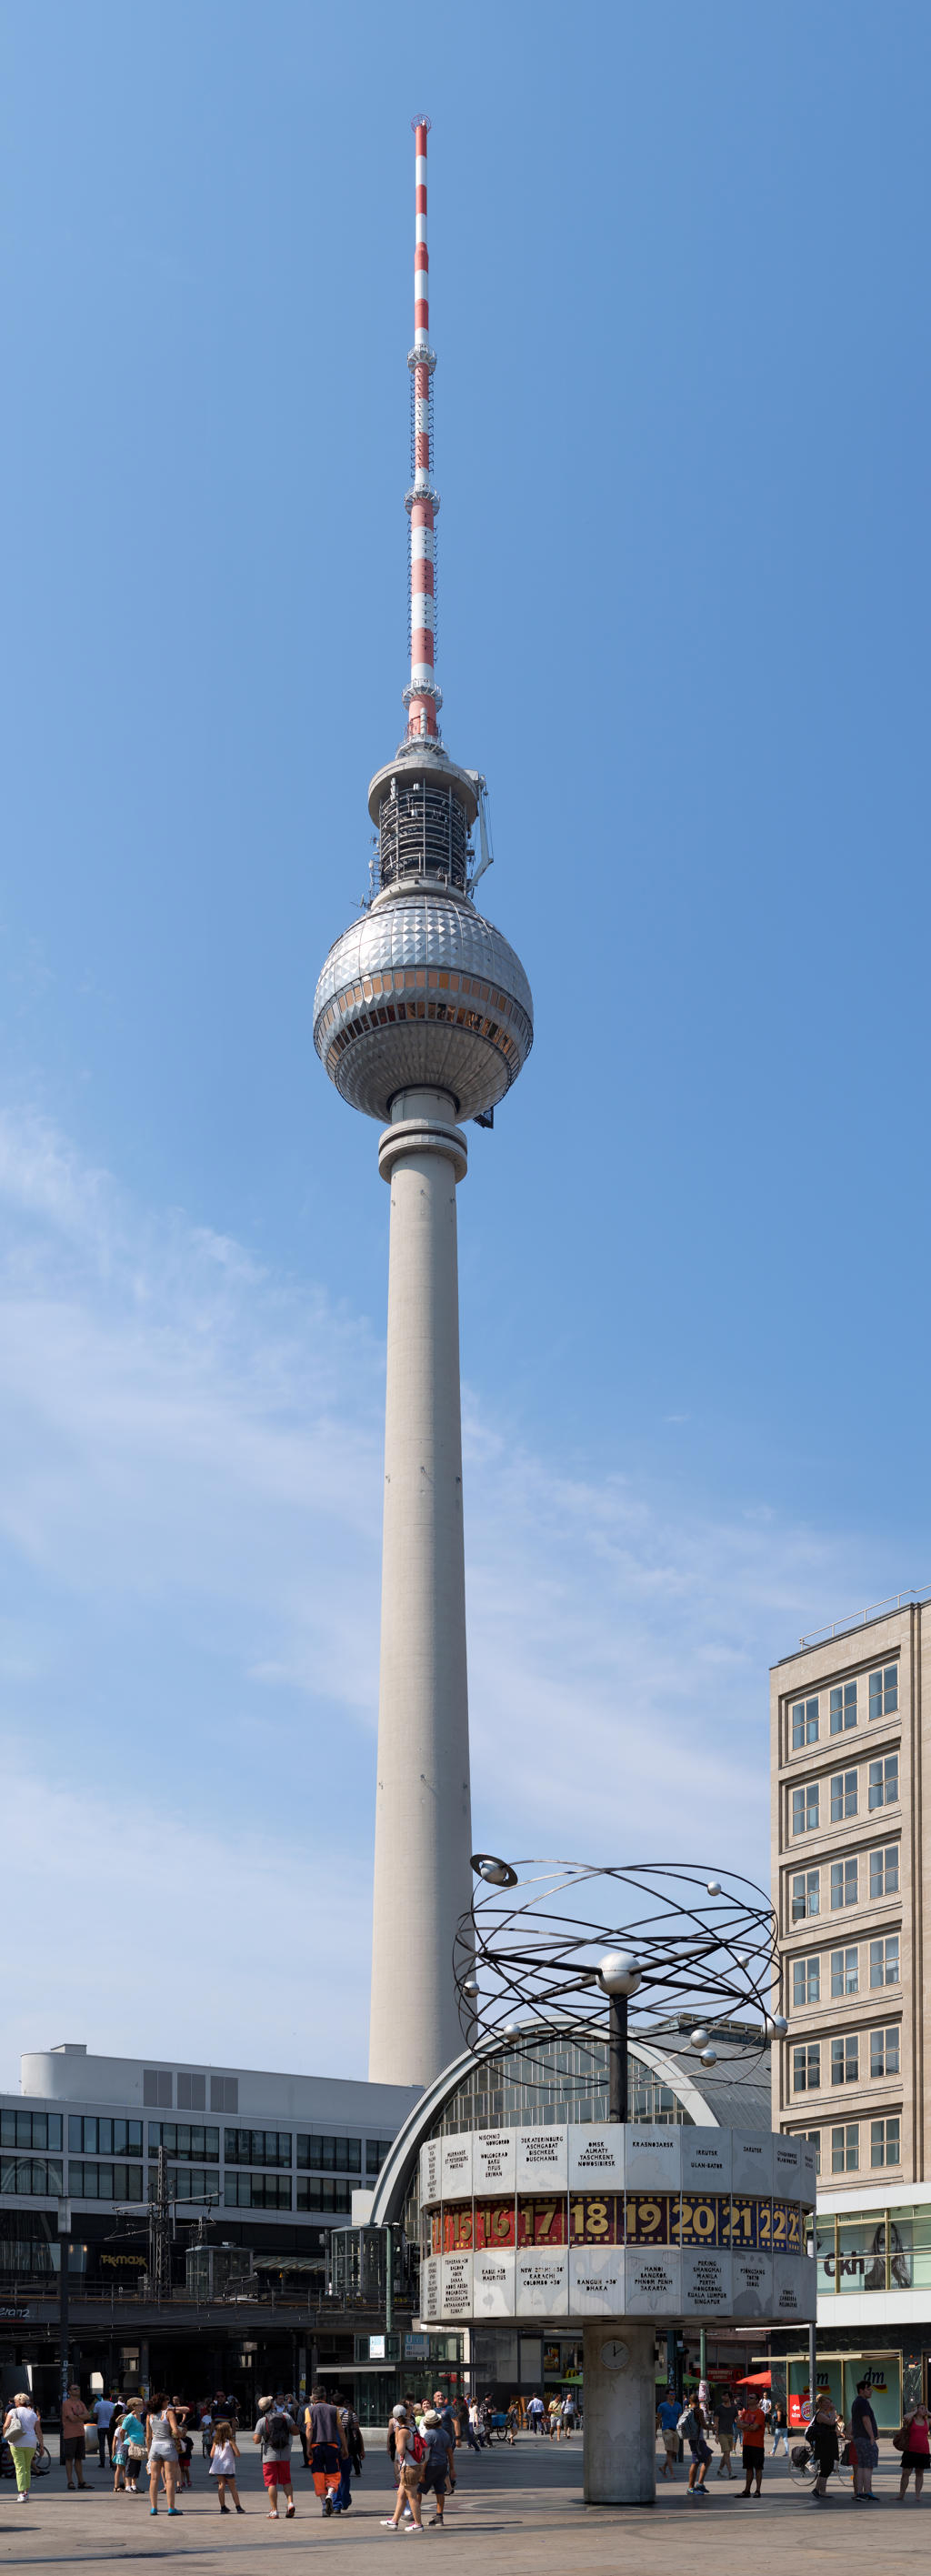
(756, 2379)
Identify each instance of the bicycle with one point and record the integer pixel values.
(803, 2465)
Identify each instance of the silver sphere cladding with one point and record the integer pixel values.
(423, 993)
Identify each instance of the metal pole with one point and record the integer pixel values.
(812, 2388)
(389, 2281)
(702, 2352)
(617, 2057)
(64, 2256)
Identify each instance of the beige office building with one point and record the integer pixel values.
(851, 1742)
(851, 1748)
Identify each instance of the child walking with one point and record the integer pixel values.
(224, 2453)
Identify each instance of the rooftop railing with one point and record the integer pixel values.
(861, 1618)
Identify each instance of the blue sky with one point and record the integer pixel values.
(682, 405)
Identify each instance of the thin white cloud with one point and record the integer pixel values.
(190, 1510)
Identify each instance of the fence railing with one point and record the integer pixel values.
(861, 1618)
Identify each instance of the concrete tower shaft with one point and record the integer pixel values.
(423, 1810)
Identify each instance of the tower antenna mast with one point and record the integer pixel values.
(423, 699)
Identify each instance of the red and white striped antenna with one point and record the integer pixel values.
(423, 698)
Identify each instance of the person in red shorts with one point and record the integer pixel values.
(275, 2432)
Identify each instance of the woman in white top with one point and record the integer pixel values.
(23, 2431)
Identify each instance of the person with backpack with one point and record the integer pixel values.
(693, 2429)
(274, 2432)
(326, 2443)
(410, 2452)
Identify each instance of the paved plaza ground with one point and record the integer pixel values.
(519, 2511)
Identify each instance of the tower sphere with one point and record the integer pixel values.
(422, 992)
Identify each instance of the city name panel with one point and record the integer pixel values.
(616, 2221)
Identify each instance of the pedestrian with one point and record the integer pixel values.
(667, 2422)
(206, 2431)
(568, 2414)
(915, 2448)
(752, 2422)
(693, 2428)
(224, 2453)
(535, 2412)
(132, 2436)
(274, 2433)
(74, 2416)
(447, 2416)
(864, 2434)
(351, 2430)
(410, 2455)
(724, 2419)
(438, 2452)
(103, 2411)
(118, 2451)
(23, 2431)
(162, 2436)
(513, 2420)
(327, 2446)
(780, 2428)
(823, 2438)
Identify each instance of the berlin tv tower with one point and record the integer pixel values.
(423, 1018)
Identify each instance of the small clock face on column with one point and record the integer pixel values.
(614, 2355)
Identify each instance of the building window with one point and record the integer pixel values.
(804, 1723)
(805, 1809)
(844, 1972)
(884, 1960)
(193, 2182)
(30, 2129)
(806, 1894)
(103, 2137)
(105, 2182)
(18, 2174)
(884, 1870)
(257, 2147)
(156, 2089)
(224, 2092)
(845, 2148)
(333, 2155)
(184, 2138)
(192, 2092)
(845, 2059)
(844, 1882)
(376, 2149)
(884, 1781)
(843, 1796)
(806, 1982)
(812, 2138)
(884, 1691)
(885, 2142)
(257, 2191)
(884, 2051)
(806, 2067)
(843, 1707)
(316, 2191)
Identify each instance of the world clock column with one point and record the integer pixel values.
(422, 1881)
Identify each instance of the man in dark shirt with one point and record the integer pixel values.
(864, 2433)
(327, 2446)
(725, 2419)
